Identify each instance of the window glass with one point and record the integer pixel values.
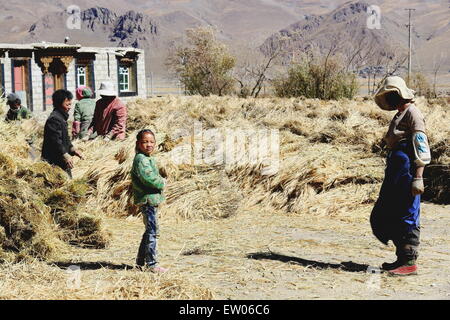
(81, 76)
(84, 73)
(2, 80)
(124, 78)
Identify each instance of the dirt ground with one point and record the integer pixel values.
(252, 255)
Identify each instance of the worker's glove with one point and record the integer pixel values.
(417, 186)
(76, 127)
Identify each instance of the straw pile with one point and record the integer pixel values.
(330, 156)
(437, 174)
(40, 211)
(331, 160)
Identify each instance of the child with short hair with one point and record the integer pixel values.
(148, 187)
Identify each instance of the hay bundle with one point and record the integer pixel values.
(437, 174)
(7, 166)
(68, 211)
(27, 229)
(3, 107)
(314, 170)
(209, 195)
(32, 223)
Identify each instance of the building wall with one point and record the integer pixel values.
(38, 95)
(142, 79)
(100, 74)
(8, 78)
(70, 78)
(101, 69)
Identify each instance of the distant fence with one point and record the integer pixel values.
(162, 87)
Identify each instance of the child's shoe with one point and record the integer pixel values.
(158, 269)
(406, 269)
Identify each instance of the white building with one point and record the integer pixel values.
(35, 71)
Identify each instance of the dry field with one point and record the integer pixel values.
(227, 231)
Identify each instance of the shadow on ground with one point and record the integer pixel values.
(345, 266)
(93, 265)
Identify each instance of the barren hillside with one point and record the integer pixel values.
(240, 23)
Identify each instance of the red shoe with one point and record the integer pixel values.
(405, 270)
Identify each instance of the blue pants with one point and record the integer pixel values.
(396, 214)
(147, 249)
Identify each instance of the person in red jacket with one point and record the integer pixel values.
(110, 115)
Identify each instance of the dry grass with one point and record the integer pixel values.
(94, 284)
(40, 210)
(331, 167)
(326, 148)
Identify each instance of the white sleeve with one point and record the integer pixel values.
(421, 149)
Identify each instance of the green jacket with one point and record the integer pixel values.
(147, 183)
(84, 110)
(21, 113)
(83, 114)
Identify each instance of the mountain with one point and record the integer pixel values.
(104, 27)
(345, 27)
(156, 24)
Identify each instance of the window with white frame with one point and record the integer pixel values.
(127, 76)
(124, 78)
(84, 73)
(81, 75)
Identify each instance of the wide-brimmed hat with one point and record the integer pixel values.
(391, 84)
(107, 89)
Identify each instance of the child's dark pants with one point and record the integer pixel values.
(147, 249)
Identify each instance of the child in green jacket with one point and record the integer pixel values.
(148, 187)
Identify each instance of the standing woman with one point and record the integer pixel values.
(396, 214)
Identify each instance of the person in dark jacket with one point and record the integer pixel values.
(57, 149)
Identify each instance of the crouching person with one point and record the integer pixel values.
(57, 149)
(16, 110)
(110, 115)
(148, 186)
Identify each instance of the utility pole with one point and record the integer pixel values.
(409, 44)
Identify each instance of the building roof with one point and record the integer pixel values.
(77, 47)
(51, 45)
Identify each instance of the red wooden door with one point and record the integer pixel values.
(49, 88)
(19, 78)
